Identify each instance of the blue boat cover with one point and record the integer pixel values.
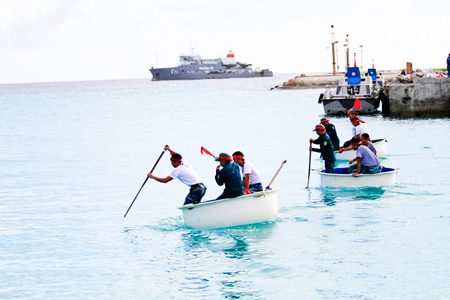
(353, 76)
(345, 170)
(373, 74)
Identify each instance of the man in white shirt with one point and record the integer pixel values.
(251, 178)
(358, 130)
(184, 172)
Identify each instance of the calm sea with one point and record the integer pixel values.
(74, 154)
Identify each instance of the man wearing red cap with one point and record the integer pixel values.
(251, 176)
(229, 175)
(366, 160)
(358, 129)
(186, 175)
(332, 133)
(326, 148)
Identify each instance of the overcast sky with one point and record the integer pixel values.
(70, 40)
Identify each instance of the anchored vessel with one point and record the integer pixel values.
(192, 66)
(248, 209)
(367, 89)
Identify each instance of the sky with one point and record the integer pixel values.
(65, 40)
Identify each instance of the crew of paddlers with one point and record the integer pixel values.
(239, 176)
(366, 159)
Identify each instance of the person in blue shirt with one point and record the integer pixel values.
(326, 148)
(228, 173)
(448, 65)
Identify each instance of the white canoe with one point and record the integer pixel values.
(380, 146)
(341, 178)
(248, 209)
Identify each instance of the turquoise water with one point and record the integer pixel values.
(73, 156)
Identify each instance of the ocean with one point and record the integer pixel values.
(74, 154)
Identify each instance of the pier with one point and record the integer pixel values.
(320, 80)
(424, 97)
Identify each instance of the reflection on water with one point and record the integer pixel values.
(233, 242)
(332, 196)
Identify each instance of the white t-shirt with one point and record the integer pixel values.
(185, 174)
(360, 129)
(255, 177)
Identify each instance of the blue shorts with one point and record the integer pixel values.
(196, 194)
(257, 187)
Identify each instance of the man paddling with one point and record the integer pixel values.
(184, 172)
(229, 175)
(326, 148)
(358, 130)
(331, 131)
(251, 176)
(366, 161)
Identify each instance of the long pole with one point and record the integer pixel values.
(361, 57)
(309, 166)
(282, 164)
(332, 49)
(162, 153)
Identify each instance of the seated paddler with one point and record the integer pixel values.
(228, 173)
(366, 161)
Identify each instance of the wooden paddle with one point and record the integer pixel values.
(282, 164)
(309, 167)
(162, 153)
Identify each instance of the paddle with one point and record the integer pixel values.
(282, 164)
(162, 153)
(309, 167)
(203, 150)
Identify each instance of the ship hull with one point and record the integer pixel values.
(195, 74)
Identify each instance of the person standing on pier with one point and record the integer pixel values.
(448, 65)
(331, 131)
(229, 175)
(326, 148)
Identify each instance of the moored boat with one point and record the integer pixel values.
(341, 178)
(352, 87)
(248, 209)
(380, 146)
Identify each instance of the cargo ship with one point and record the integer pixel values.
(192, 66)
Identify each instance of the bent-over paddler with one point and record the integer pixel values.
(184, 172)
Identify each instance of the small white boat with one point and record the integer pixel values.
(341, 178)
(248, 209)
(380, 146)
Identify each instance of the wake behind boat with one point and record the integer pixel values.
(192, 66)
(248, 209)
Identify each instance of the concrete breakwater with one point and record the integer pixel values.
(425, 97)
(321, 80)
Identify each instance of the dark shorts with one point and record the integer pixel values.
(365, 169)
(257, 187)
(196, 194)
